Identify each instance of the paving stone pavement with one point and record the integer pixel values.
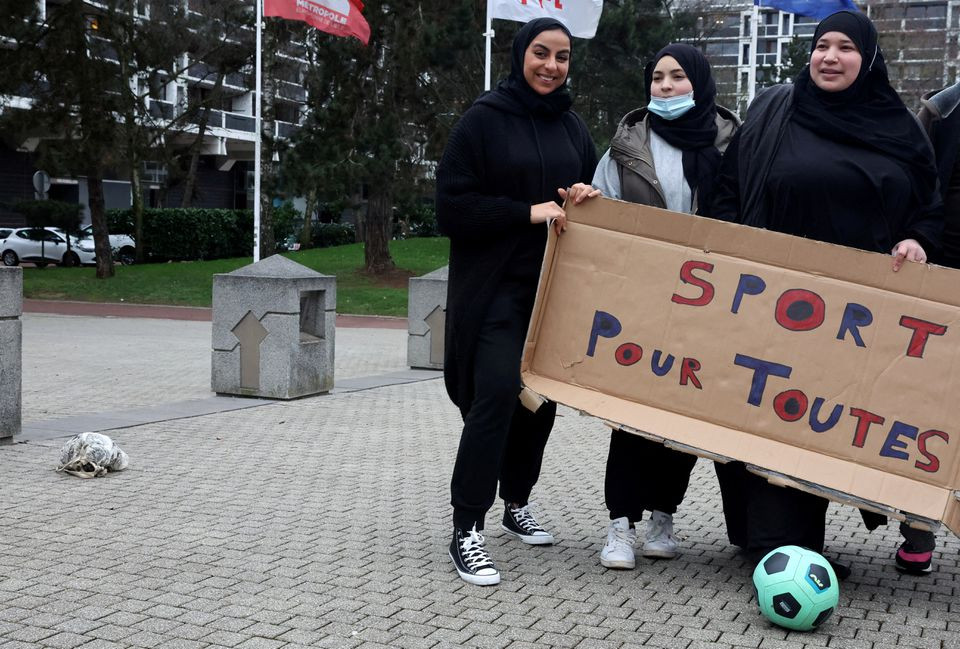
(323, 522)
(136, 362)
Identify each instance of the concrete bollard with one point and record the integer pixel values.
(274, 324)
(11, 353)
(426, 317)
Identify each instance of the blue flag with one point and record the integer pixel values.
(818, 9)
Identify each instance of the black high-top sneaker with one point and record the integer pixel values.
(471, 559)
(519, 522)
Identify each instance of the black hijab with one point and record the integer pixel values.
(514, 89)
(694, 132)
(869, 113)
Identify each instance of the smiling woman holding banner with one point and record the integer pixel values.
(509, 158)
(835, 157)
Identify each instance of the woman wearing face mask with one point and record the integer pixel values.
(836, 157)
(508, 160)
(665, 155)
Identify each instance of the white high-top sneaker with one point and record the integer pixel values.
(660, 543)
(618, 550)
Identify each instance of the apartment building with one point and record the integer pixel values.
(225, 170)
(919, 41)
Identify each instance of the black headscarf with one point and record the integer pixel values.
(515, 88)
(869, 113)
(694, 132)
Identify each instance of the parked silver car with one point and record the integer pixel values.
(44, 246)
(124, 249)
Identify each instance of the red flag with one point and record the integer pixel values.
(337, 17)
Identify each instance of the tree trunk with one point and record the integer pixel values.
(306, 234)
(98, 217)
(191, 180)
(137, 208)
(377, 230)
(134, 160)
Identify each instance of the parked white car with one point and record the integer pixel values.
(44, 246)
(123, 246)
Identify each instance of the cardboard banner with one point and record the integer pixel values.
(812, 361)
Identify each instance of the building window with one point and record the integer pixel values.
(287, 113)
(154, 172)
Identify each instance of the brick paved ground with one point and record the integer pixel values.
(323, 522)
(141, 362)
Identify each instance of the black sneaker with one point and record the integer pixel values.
(471, 559)
(912, 562)
(842, 571)
(521, 523)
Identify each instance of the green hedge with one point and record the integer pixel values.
(198, 233)
(327, 235)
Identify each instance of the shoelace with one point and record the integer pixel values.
(525, 519)
(472, 550)
(620, 537)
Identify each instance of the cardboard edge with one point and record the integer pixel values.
(871, 269)
(543, 290)
(951, 518)
(720, 441)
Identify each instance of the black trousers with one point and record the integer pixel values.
(501, 440)
(920, 540)
(761, 516)
(643, 475)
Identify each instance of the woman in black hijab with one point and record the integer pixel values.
(840, 126)
(508, 159)
(665, 154)
(836, 157)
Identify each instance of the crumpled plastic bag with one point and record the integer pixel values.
(91, 455)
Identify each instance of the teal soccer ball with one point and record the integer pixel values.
(796, 588)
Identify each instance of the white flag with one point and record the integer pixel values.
(579, 16)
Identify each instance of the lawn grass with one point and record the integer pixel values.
(189, 283)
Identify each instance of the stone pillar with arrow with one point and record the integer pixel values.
(273, 330)
(426, 319)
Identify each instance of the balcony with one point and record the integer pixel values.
(160, 109)
(214, 119)
(236, 80)
(291, 91)
(286, 130)
(239, 122)
(227, 120)
(200, 71)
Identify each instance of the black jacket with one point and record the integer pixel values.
(499, 160)
(940, 116)
(741, 188)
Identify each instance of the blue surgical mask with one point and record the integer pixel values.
(671, 107)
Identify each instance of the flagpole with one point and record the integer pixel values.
(752, 70)
(257, 145)
(489, 36)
